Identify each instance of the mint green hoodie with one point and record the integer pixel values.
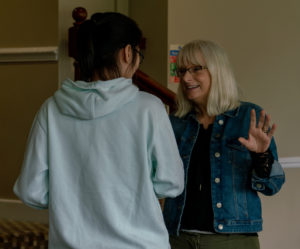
(98, 156)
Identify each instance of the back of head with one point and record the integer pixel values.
(223, 94)
(99, 41)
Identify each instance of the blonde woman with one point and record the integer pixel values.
(228, 152)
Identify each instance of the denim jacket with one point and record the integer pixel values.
(234, 184)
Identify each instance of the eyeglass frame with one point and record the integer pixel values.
(180, 72)
(142, 57)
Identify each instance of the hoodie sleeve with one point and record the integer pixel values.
(32, 184)
(167, 167)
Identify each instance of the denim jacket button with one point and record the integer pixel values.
(258, 185)
(218, 135)
(219, 205)
(217, 154)
(221, 122)
(217, 180)
(220, 226)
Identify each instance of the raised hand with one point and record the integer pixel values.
(260, 135)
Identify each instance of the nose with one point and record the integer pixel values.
(187, 76)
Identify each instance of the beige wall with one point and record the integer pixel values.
(262, 39)
(24, 86)
(151, 17)
(28, 23)
(281, 215)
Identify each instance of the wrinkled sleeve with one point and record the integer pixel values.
(272, 184)
(167, 167)
(32, 184)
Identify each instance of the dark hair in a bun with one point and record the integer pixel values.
(99, 41)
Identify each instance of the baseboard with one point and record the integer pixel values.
(290, 162)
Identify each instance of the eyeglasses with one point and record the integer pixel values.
(140, 54)
(192, 70)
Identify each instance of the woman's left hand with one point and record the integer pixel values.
(260, 135)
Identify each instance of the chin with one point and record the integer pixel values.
(192, 97)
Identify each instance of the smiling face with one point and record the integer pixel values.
(196, 82)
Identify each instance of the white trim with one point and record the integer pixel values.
(13, 201)
(290, 162)
(28, 54)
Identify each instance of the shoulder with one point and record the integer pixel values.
(176, 120)
(149, 102)
(248, 106)
(150, 108)
(48, 103)
(149, 98)
(180, 124)
(245, 109)
(188, 117)
(42, 114)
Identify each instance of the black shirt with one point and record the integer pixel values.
(198, 212)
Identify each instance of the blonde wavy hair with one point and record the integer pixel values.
(224, 93)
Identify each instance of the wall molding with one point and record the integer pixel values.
(11, 201)
(28, 54)
(290, 162)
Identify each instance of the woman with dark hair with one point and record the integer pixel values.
(229, 156)
(100, 42)
(100, 152)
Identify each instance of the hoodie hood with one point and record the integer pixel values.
(90, 100)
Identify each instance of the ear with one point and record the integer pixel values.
(127, 53)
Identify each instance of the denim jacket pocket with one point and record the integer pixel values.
(238, 155)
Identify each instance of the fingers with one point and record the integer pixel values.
(252, 119)
(265, 122)
(243, 141)
(266, 125)
(258, 141)
(261, 120)
(272, 131)
(248, 144)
